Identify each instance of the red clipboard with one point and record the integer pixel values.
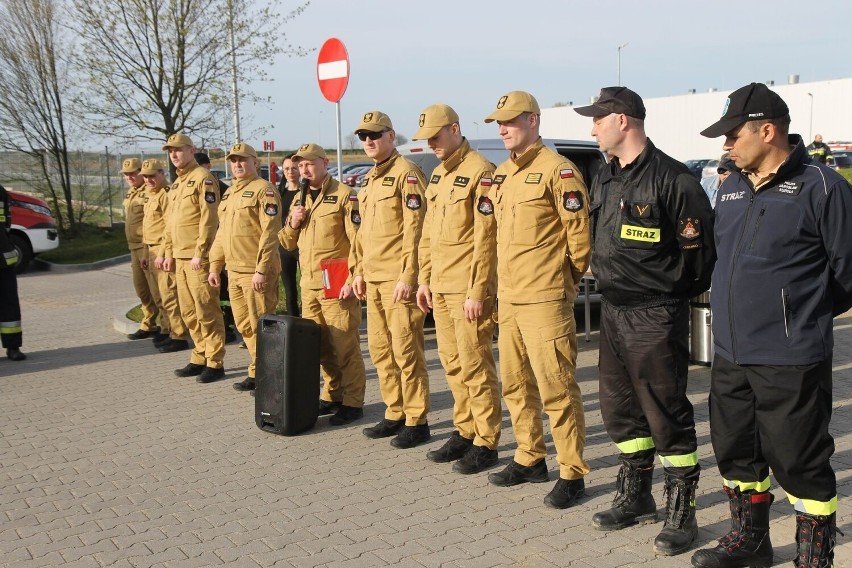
(335, 271)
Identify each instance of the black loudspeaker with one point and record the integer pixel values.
(287, 381)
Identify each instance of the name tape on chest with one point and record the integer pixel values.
(789, 188)
(644, 234)
(248, 193)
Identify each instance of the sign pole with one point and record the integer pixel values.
(339, 145)
(333, 78)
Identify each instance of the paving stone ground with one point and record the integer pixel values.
(107, 459)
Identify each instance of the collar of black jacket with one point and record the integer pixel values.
(634, 169)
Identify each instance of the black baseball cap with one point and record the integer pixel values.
(618, 100)
(755, 101)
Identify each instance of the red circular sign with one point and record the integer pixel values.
(333, 69)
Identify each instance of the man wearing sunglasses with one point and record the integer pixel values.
(392, 205)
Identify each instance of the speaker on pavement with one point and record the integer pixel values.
(287, 381)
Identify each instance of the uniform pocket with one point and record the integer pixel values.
(532, 211)
(640, 226)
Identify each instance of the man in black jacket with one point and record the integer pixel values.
(11, 335)
(784, 271)
(652, 250)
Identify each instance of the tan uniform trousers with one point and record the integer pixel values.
(170, 320)
(397, 348)
(340, 346)
(465, 351)
(538, 356)
(150, 274)
(143, 289)
(248, 305)
(199, 308)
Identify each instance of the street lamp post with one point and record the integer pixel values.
(811, 126)
(619, 61)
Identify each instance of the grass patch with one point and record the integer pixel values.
(90, 245)
(847, 173)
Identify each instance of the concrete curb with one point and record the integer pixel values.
(122, 324)
(66, 268)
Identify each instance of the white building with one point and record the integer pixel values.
(674, 123)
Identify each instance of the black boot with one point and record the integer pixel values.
(633, 502)
(747, 544)
(681, 527)
(816, 537)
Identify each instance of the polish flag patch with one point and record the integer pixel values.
(566, 173)
(485, 182)
(411, 179)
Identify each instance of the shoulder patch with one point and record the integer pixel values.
(461, 181)
(329, 199)
(485, 206)
(411, 179)
(688, 231)
(355, 216)
(388, 180)
(485, 182)
(435, 178)
(209, 197)
(270, 193)
(572, 201)
(271, 209)
(566, 173)
(533, 178)
(413, 201)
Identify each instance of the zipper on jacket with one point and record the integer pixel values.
(756, 228)
(737, 249)
(785, 301)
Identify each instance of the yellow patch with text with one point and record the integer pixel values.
(645, 234)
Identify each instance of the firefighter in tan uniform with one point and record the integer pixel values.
(154, 234)
(143, 283)
(324, 229)
(543, 249)
(190, 229)
(249, 221)
(458, 282)
(391, 202)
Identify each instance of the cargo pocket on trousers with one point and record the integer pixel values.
(557, 358)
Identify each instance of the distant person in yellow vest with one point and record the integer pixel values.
(249, 221)
(324, 228)
(391, 203)
(543, 247)
(134, 211)
(191, 227)
(154, 235)
(458, 282)
(819, 150)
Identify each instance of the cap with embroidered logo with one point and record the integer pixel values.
(150, 167)
(178, 140)
(374, 121)
(615, 100)
(433, 119)
(241, 149)
(130, 165)
(310, 152)
(514, 104)
(755, 101)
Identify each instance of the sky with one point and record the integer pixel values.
(406, 55)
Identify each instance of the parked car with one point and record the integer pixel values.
(696, 166)
(839, 160)
(220, 174)
(33, 228)
(586, 156)
(350, 176)
(348, 168)
(711, 168)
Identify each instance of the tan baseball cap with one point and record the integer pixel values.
(178, 140)
(310, 152)
(130, 165)
(374, 121)
(242, 149)
(433, 119)
(151, 167)
(513, 104)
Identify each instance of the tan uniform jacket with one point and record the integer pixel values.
(192, 221)
(392, 205)
(134, 211)
(543, 240)
(458, 250)
(328, 232)
(249, 221)
(154, 223)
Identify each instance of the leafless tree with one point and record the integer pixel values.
(157, 67)
(34, 118)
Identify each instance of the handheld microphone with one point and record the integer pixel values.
(303, 186)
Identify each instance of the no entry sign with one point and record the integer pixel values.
(333, 69)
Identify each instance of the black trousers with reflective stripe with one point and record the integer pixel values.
(776, 417)
(10, 308)
(643, 365)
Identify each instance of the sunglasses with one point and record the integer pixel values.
(362, 136)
